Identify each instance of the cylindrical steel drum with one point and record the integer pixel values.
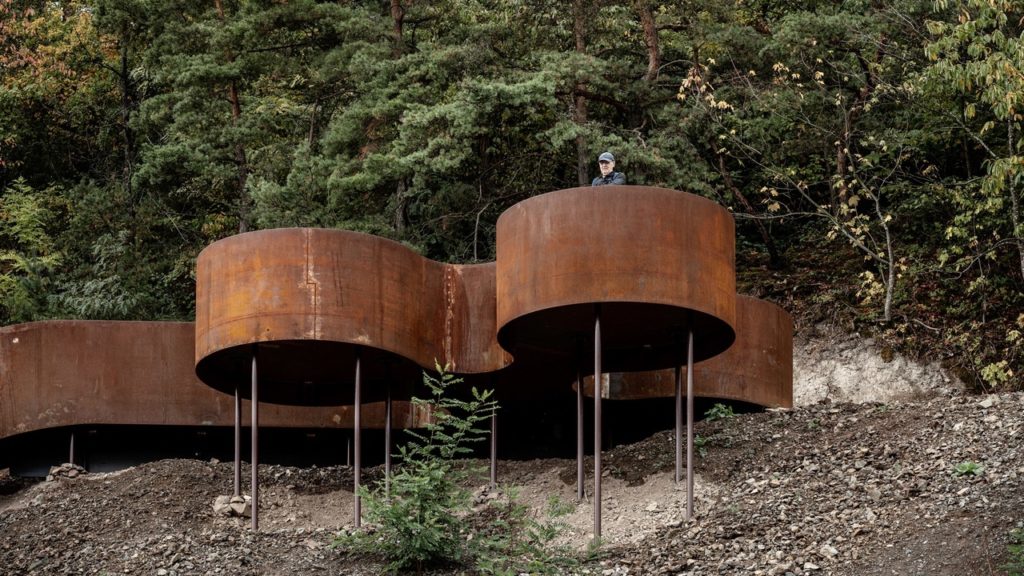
(307, 300)
(658, 262)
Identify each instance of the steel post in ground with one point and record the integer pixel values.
(387, 443)
(238, 442)
(357, 441)
(494, 449)
(598, 390)
(689, 426)
(71, 449)
(679, 424)
(579, 430)
(255, 425)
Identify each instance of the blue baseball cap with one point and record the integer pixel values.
(606, 157)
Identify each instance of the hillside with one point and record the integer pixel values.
(833, 488)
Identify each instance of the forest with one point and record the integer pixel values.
(871, 151)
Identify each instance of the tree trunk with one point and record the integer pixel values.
(579, 111)
(129, 136)
(397, 23)
(646, 13)
(1015, 201)
(244, 203)
(400, 208)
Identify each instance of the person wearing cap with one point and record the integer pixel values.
(606, 162)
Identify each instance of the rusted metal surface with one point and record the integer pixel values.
(133, 373)
(308, 297)
(658, 261)
(758, 368)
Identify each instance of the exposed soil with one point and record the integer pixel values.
(827, 488)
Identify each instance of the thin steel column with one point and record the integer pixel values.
(579, 430)
(71, 450)
(358, 408)
(387, 443)
(255, 425)
(598, 389)
(689, 427)
(238, 442)
(679, 424)
(494, 449)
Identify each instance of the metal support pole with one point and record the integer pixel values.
(579, 431)
(598, 390)
(358, 408)
(238, 443)
(679, 424)
(387, 443)
(689, 427)
(255, 425)
(494, 449)
(71, 450)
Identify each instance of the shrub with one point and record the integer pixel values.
(428, 518)
(419, 523)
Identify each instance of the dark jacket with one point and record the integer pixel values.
(613, 178)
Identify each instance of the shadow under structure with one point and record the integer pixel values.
(756, 369)
(62, 380)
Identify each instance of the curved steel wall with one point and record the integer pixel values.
(76, 372)
(758, 368)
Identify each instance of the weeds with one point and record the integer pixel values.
(1015, 550)
(719, 412)
(968, 468)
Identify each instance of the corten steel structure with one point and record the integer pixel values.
(308, 315)
(648, 272)
(74, 373)
(757, 368)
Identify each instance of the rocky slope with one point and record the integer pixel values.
(928, 482)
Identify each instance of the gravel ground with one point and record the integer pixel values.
(850, 489)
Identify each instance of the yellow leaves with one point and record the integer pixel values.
(870, 287)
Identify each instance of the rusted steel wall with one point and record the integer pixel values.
(758, 368)
(65, 373)
(307, 299)
(657, 261)
(470, 320)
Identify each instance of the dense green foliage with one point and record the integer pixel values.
(871, 151)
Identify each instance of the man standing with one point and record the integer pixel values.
(606, 162)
